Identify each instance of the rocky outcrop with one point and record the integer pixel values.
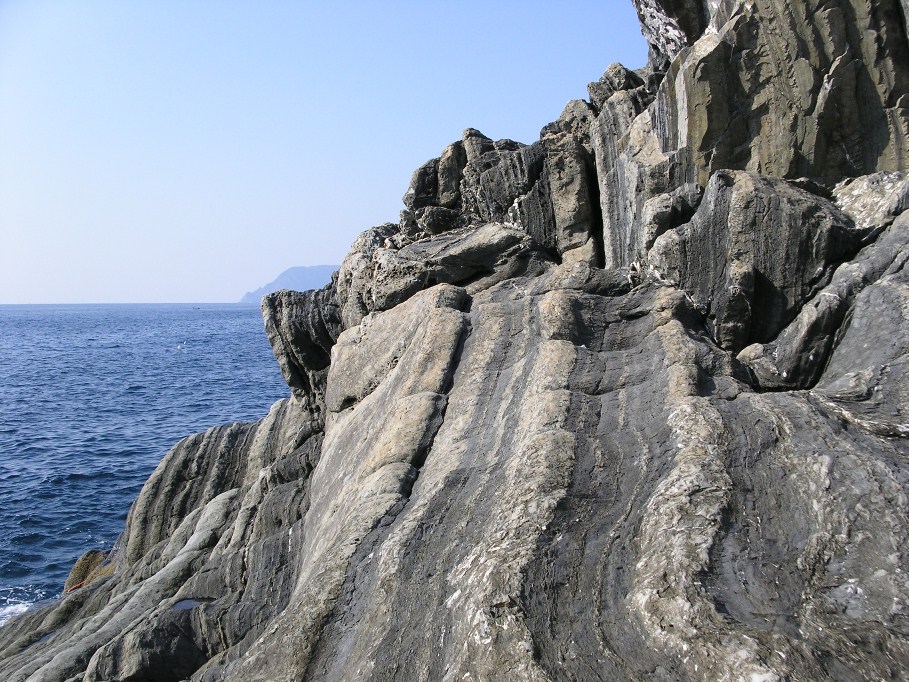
(756, 249)
(628, 402)
(302, 327)
(544, 189)
(216, 517)
(780, 89)
(87, 568)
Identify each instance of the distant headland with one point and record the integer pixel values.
(300, 278)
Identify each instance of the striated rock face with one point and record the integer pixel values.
(629, 402)
(781, 89)
(755, 250)
(302, 328)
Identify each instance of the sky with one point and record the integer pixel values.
(192, 150)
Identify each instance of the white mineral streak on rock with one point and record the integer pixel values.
(678, 530)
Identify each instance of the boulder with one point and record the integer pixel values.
(302, 327)
(796, 358)
(755, 251)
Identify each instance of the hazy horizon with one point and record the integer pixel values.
(177, 152)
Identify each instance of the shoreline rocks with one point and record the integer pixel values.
(627, 402)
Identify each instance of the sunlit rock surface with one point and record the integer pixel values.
(629, 402)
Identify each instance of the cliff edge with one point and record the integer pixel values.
(630, 402)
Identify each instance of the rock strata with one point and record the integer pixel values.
(628, 402)
(756, 249)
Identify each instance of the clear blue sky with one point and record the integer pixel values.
(191, 150)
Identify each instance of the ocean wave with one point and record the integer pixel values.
(19, 599)
(9, 610)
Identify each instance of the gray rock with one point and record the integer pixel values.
(755, 252)
(436, 219)
(575, 120)
(669, 26)
(302, 328)
(630, 169)
(502, 461)
(868, 372)
(543, 189)
(195, 569)
(378, 275)
(616, 79)
(587, 511)
(873, 200)
(780, 90)
(796, 358)
(476, 144)
(494, 180)
(568, 177)
(356, 270)
(437, 182)
(424, 186)
(451, 169)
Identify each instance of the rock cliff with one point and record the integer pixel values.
(630, 402)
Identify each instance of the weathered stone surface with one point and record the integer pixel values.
(378, 275)
(366, 353)
(503, 461)
(631, 168)
(495, 179)
(437, 182)
(84, 570)
(796, 358)
(302, 328)
(868, 373)
(437, 219)
(575, 120)
(665, 211)
(585, 515)
(780, 89)
(755, 251)
(196, 567)
(451, 169)
(356, 270)
(669, 26)
(543, 189)
(575, 226)
(616, 79)
(424, 186)
(873, 200)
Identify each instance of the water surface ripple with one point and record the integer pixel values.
(91, 397)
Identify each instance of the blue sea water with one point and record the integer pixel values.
(91, 398)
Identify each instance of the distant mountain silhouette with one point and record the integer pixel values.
(301, 278)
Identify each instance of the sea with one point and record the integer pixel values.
(91, 398)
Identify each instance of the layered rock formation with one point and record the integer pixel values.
(626, 403)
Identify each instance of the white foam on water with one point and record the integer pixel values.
(7, 611)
